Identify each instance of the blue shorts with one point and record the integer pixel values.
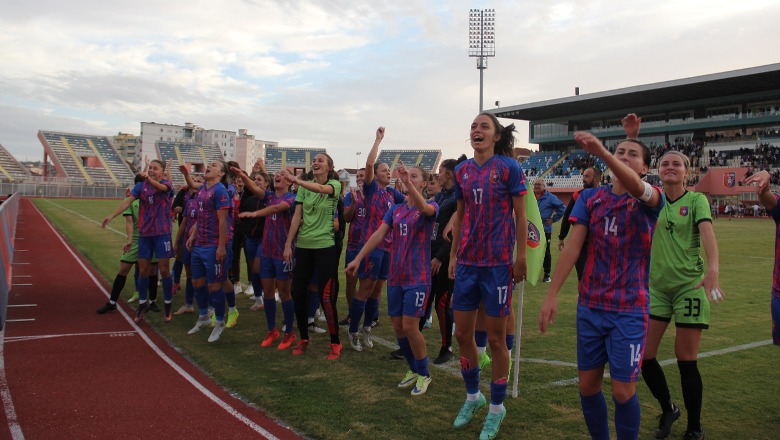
(349, 256)
(276, 268)
(776, 320)
(159, 246)
(204, 264)
(614, 337)
(491, 286)
(375, 266)
(407, 300)
(252, 248)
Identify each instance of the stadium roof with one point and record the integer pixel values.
(754, 80)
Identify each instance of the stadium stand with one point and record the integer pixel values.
(425, 159)
(538, 163)
(86, 158)
(10, 168)
(277, 158)
(195, 155)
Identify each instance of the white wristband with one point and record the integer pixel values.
(647, 194)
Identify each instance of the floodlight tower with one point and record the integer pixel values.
(482, 41)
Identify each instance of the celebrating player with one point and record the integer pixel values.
(489, 189)
(619, 220)
(679, 288)
(154, 232)
(409, 279)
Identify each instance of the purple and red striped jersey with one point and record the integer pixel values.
(211, 200)
(620, 233)
(233, 213)
(190, 213)
(378, 201)
(154, 211)
(487, 235)
(410, 258)
(776, 274)
(277, 225)
(358, 220)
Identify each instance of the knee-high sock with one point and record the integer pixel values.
(372, 307)
(270, 314)
(202, 294)
(167, 285)
(421, 366)
(178, 265)
(406, 348)
(470, 376)
(627, 417)
(288, 308)
(116, 289)
(692, 390)
(355, 313)
(498, 392)
(143, 288)
(218, 302)
(153, 282)
(594, 410)
(230, 297)
(189, 292)
(480, 337)
(656, 382)
(257, 286)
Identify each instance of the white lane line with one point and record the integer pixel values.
(20, 250)
(5, 396)
(20, 263)
(200, 387)
(22, 305)
(20, 320)
(65, 335)
(22, 276)
(749, 256)
(21, 284)
(574, 380)
(122, 233)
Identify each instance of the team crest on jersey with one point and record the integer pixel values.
(534, 238)
(729, 179)
(631, 204)
(683, 211)
(495, 177)
(416, 215)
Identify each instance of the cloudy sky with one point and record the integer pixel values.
(327, 73)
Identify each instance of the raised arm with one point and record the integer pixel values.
(310, 185)
(628, 177)
(249, 183)
(765, 196)
(119, 209)
(372, 155)
(187, 177)
(414, 195)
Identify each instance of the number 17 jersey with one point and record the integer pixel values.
(487, 234)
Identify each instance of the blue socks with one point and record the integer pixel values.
(480, 337)
(288, 308)
(406, 348)
(218, 302)
(510, 342)
(257, 286)
(594, 409)
(230, 297)
(627, 417)
(470, 376)
(143, 288)
(269, 305)
(498, 392)
(167, 285)
(355, 313)
(189, 292)
(372, 308)
(202, 295)
(421, 366)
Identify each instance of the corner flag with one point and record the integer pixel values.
(537, 242)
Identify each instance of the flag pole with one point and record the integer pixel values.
(518, 329)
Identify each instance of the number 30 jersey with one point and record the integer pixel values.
(620, 234)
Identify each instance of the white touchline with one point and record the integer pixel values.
(574, 380)
(200, 387)
(5, 395)
(82, 216)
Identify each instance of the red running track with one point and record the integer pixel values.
(67, 372)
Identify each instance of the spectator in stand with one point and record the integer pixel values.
(551, 210)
